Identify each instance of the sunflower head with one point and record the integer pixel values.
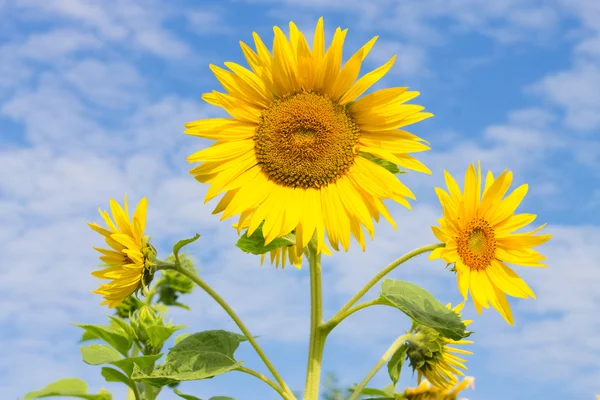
(425, 391)
(478, 228)
(431, 356)
(130, 258)
(303, 150)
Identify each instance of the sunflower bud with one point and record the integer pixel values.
(128, 307)
(144, 318)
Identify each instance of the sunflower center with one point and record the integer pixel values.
(306, 140)
(477, 244)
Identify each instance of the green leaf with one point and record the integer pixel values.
(373, 392)
(69, 387)
(201, 355)
(255, 243)
(114, 337)
(182, 243)
(395, 363)
(422, 307)
(390, 166)
(185, 396)
(221, 398)
(127, 364)
(124, 326)
(181, 337)
(112, 375)
(97, 354)
(159, 334)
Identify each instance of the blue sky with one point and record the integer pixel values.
(93, 98)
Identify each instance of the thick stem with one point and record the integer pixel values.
(386, 356)
(317, 334)
(266, 380)
(235, 319)
(381, 274)
(134, 386)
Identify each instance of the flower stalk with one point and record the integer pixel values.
(204, 286)
(317, 333)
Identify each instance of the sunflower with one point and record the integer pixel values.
(303, 151)
(129, 259)
(478, 232)
(425, 391)
(432, 357)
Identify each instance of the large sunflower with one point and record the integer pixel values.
(128, 260)
(478, 230)
(300, 150)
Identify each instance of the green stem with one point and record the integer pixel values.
(338, 316)
(266, 380)
(332, 323)
(385, 358)
(317, 334)
(136, 392)
(234, 317)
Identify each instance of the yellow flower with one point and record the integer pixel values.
(478, 232)
(427, 392)
(432, 358)
(297, 152)
(128, 260)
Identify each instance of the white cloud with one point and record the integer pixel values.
(130, 23)
(575, 91)
(114, 84)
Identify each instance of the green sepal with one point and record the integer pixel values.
(422, 307)
(396, 362)
(68, 387)
(201, 355)
(390, 166)
(255, 243)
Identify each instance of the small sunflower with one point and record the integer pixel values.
(425, 391)
(298, 152)
(129, 259)
(478, 230)
(432, 357)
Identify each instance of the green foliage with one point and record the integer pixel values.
(395, 363)
(143, 362)
(189, 397)
(255, 243)
(158, 335)
(181, 337)
(172, 284)
(179, 245)
(113, 375)
(422, 307)
(128, 307)
(390, 166)
(97, 354)
(115, 337)
(201, 355)
(68, 387)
